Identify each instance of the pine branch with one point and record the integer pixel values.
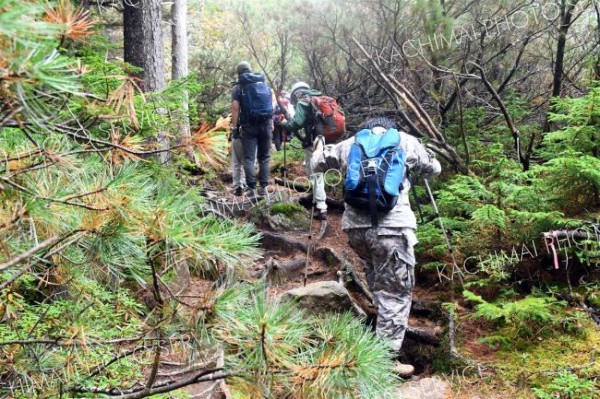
(44, 164)
(9, 116)
(28, 267)
(71, 132)
(169, 386)
(90, 342)
(26, 191)
(29, 154)
(18, 213)
(74, 196)
(130, 352)
(154, 370)
(27, 254)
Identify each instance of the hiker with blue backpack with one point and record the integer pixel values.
(317, 115)
(252, 120)
(377, 218)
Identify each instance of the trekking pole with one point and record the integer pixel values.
(284, 137)
(413, 186)
(455, 269)
(309, 245)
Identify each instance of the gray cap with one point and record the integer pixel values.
(242, 67)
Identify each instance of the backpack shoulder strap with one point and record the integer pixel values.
(390, 139)
(361, 136)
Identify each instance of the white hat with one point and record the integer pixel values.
(298, 86)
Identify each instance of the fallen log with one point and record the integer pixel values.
(281, 242)
(591, 232)
(423, 336)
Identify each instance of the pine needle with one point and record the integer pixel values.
(77, 22)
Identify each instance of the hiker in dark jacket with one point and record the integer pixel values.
(304, 118)
(387, 248)
(255, 136)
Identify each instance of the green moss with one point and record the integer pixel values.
(286, 208)
(594, 298)
(529, 368)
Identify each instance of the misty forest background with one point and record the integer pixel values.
(110, 130)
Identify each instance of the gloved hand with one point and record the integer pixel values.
(234, 132)
(318, 144)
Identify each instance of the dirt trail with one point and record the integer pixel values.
(336, 240)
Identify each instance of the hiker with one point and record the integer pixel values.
(279, 135)
(383, 239)
(304, 118)
(251, 117)
(237, 162)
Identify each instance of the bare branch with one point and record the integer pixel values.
(27, 254)
(509, 121)
(28, 267)
(169, 386)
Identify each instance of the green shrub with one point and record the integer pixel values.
(523, 319)
(567, 385)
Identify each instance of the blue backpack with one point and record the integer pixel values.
(256, 103)
(375, 172)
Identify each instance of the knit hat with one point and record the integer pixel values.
(243, 67)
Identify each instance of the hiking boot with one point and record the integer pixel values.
(321, 215)
(238, 192)
(404, 370)
(261, 191)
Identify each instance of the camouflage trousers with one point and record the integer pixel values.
(390, 272)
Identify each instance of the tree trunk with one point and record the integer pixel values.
(144, 44)
(566, 14)
(179, 57)
(144, 48)
(597, 61)
(179, 37)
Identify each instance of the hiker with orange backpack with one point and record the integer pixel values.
(317, 115)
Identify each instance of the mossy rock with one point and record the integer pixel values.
(280, 216)
(286, 208)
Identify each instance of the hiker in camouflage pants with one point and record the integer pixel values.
(388, 248)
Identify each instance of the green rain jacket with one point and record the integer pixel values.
(304, 118)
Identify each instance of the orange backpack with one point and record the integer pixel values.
(332, 117)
